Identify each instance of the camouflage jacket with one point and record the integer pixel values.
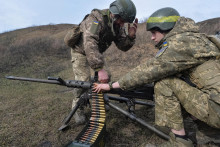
(97, 36)
(181, 50)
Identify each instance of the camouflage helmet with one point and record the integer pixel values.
(125, 8)
(164, 19)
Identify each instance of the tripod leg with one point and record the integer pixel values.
(68, 118)
(142, 122)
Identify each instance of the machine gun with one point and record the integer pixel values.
(129, 97)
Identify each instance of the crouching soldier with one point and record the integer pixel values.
(186, 73)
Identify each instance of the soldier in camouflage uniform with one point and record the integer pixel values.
(186, 72)
(93, 36)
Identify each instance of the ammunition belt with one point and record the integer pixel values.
(94, 132)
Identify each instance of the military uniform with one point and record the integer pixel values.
(95, 35)
(183, 54)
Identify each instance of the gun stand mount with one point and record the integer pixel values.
(127, 114)
(68, 118)
(142, 122)
(72, 112)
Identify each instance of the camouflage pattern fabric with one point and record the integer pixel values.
(81, 72)
(97, 36)
(171, 92)
(181, 50)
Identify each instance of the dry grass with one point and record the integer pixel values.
(31, 113)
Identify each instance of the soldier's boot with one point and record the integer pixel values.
(177, 142)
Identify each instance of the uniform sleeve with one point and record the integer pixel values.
(155, 69)
(123, 41)
(182, 54)
(91, 28)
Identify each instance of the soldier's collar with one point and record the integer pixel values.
(111, 23)
(159, 45)
(163, 48)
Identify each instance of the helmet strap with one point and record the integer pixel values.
(112, 25)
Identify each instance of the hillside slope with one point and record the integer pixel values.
(23, 47)
(210, 26)
(31, 113)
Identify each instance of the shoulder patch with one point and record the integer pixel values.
(162, 50)
(94, 27)
(96, 22)
(165, 44)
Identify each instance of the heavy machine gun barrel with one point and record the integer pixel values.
(54, 80)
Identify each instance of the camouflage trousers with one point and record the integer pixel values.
(81, 72)
(172, 93)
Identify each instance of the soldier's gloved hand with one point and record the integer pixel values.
(103, 76)
(132, 30)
